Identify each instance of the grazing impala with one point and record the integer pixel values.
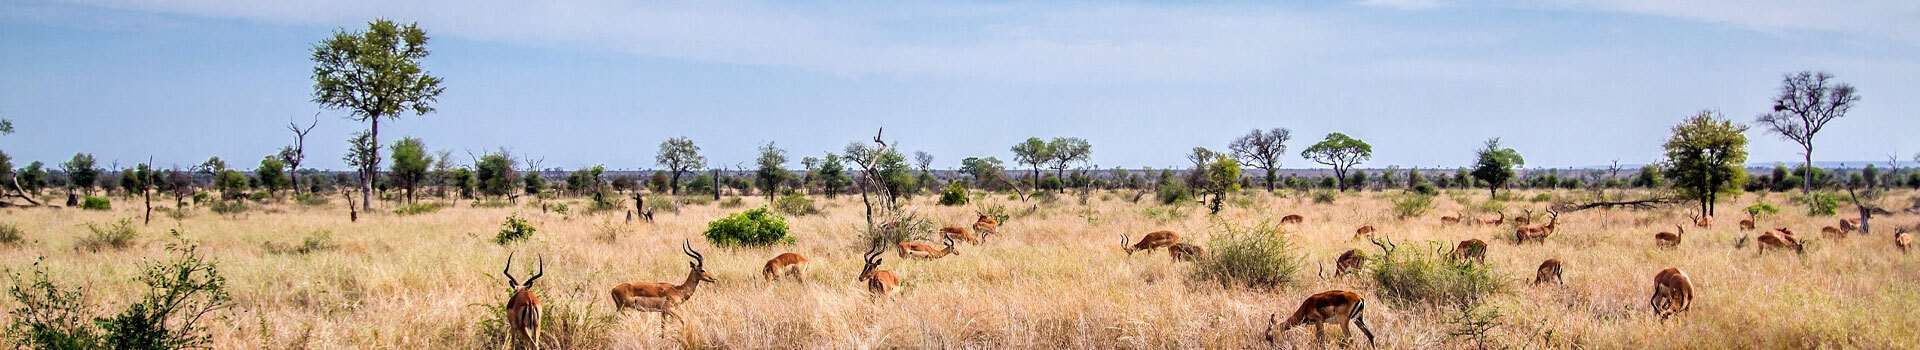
(1495, 222)
(986, 225)
(1747, 223)
(1292, 219)
(787, 264)
(1335, 306)
(1670, 239)
(1672, 293)
(959, 233)
(1450, 220)
(1833, 232)
(1349, 262)
(523, 309)
(1848, 225)
(1537, 233)
(1152, 241)
(1185, 252)
(1701, 220)
(664, 298)
(1363, 231)
(1473, 249)
(1902, 239)
(1780, 238)
(923, 251)
(1549, 271)
(881, 283)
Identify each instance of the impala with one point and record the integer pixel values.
(1336, 306)
(1672, 293)
(786, 264)
(986, 225)
(1780, 238)
(1833, 232)
(1902, 239)
(1495, 222)
(881, 283)
(1450, 220)
(1848, 225)
(1549, 271)
(660, 297)
(523, 308)
(1747, 223)
(1363, 231)
(1526, 217)
(1185, 252)
(1701, 220)
(1349, 262)
(1537, 233)
(924, 251)
(1150, 242)
(959, 233)
(1292, 219)
(1670, 239)
(1474, 249)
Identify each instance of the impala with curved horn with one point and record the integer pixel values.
(881, 283)
(923, 251)
(1670, 239)
(1336, 306)
(986, 226)
(1151, 241)
(1672, 293)
(523, 308)
(664, 298)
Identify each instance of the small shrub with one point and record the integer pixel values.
(10, 235)
(663, 204)
(906, 226)
(1415, 275)
(179, 293)
(1490, 207)
(490, 203)
(1426, 189)
(1171, 193)
(732, 202)
(1822, 204)
(1505, 196)
(118, 235)
(96, 203)
(1541, 197)
(608, 231)
(996, 211)
(418, 208)
(228, 207)
(1412, 205)
(201, 197)
(1165, 213)
(514, 229)
(795, 204)
(1256, 256)
(1324, 197)
(754, 227)
(261, 196)
(48, 317)
(696, 200)
(1759, 209)
(315, 242)
(311, 199)
(561, 208)
(1045, 197)
(954, 195)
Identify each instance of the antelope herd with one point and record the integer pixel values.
(1672, 293)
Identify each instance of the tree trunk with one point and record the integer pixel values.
(149, 196)
(373, 164)
(716, 184)
(1806, 180)
(1340, 178)
(675, 184)
(1269, 179)
(1062, 174)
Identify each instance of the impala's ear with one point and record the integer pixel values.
(690, 264)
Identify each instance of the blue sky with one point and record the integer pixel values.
(1567, 82)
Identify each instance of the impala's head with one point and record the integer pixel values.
(522, 286)
(1126, 247)
(872, 260)
(950, 249)
(699, 263)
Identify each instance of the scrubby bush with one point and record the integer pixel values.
(315, 242)
(1422, 275)
(116, 236)
(1821, 204)
(96, 203)
(179, 293)
(311, 199)
(1507, 196)
(954, 195)
(10, 235)
(1173, 192)
(48, 316)
(514, 229)
(1759, 209)
(754, 227)
(1490, 207)
(901, 226)
(663, 204)
(1323, 197)
(795, 204)
(608, 231)
(1542, 197)
(1257, 256)
(1411, 205)
(228, 207)
(417, 208)
(1426, 189)
(732, 202)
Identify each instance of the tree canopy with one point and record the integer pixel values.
(1804, 106)
(1706, 156)
(374, 74)
(1341, 152)
(679, 155)
(1262, 149)
(1494, 164)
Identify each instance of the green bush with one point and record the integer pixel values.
(1541, 197)
(1822, 204)
(48, 316)
(1759, 209)
(1256, 256)
(754, 227)
(996, 211)
(514, 229)
(1505, 196)
(260, 196)
(954, 195)
(116, 236)
(10, 235)
(1324, 197)
(1416, 275)
(1490, 207)
(96, 203)
(1411, 205)
(179, 293)
(1173, 193)
(311, 199)
(795, 204)
(663, 204)
(1426, 189)
(732, 202)
(417, 208)
(201, 197)
(228, 207)
(318, 241)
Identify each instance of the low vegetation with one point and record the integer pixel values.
(513, 230)
(1252, 256)
(753, 227)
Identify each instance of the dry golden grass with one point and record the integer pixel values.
(1056, 279)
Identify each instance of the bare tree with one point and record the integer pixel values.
(1262, 149)
(1805, 105)
(298, 152)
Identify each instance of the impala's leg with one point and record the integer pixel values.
(1319, 331)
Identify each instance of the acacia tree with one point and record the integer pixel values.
(364, 157)
(1494, 164)
(1262, 149)
(272, 173)
(679, 155)
(494, 174)
(1707, 155)
(772, 171)
(1341, 152)
(410, 162)
(374, 74)
(833, 175)
(1065, 152)
(1032, 152)
(81, 173)
(1805, 104)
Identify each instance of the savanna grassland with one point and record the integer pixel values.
(1056, 278)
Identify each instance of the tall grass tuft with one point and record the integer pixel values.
(1256, 256)
(1418, 274)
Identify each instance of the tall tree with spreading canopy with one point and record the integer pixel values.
(81, 172)
(679, 155)
(1065, 152)
(1806, 103)
(374, 74)
(1032, 152)
(1494, 164)
(1262, 149)
(1340, 152)
(410, 162)
(773, 169)
(1706, 156)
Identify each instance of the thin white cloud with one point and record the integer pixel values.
(1408, 5)
(1884, 19)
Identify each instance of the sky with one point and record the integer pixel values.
(578, 83)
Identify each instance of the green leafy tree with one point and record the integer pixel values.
(272, 174)
(81, 172)
(410, 162)
(1065, 152)
(535, 183)
(1032, 152)
(1494, 164)
(34, 177)
(1223, 176)
(773, 169)
(1262, 149)
(374, 74)
(364, 156)
(1707, 155)
(1341, 152)
(496, 175)
(987, 172)
(1806, 103)
(462, 179)
(833, 175)
(679, 155)
(232, 184)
